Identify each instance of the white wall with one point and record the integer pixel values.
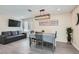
(75, 28)
(4, 24)
(64, 22)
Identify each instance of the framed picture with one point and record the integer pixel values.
(49, 23)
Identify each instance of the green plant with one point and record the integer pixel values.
(69, 31)
(43, 31)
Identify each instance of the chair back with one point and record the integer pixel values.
(55, 34)
(49, 38)
(38, 35)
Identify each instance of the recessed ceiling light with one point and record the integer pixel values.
(58, 9)
(29, 10)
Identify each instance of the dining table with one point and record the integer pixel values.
(46, 37)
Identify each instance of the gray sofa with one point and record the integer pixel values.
(10, 36)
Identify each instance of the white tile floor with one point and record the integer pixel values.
(22, 47)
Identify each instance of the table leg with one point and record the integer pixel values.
(30, 42)
(42, 44)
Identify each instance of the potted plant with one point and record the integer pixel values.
(69, 32)
(43, 31)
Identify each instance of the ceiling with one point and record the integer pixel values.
(22, 10)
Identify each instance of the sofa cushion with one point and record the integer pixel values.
(19, 35)
(9, 37)
(14, 33)
(8, 33)
(18, 32)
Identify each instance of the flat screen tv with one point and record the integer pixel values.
(14, 23)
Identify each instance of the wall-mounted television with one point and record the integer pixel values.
(14, 23)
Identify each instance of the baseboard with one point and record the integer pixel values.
(61, 41)
(75, 46)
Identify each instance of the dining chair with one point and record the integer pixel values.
(39, 38)
(50, 39)
(31, 38)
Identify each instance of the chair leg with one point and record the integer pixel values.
(30, 42)
(42, 44)
(36, 43)
(53, 48)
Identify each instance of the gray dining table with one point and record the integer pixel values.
(46, 37)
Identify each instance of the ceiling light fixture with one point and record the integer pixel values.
(29, 10)
(58, 9)
(42, 15)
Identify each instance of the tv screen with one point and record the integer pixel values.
(14, 23)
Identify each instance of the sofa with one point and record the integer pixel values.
(11, 36)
